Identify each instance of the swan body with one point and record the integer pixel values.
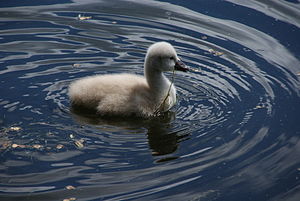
(130, 94)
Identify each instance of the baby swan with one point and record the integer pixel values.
(130, 94)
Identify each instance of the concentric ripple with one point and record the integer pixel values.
(233, 135)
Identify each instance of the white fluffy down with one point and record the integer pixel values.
(130, 94)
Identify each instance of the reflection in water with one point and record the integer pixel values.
(162, 138)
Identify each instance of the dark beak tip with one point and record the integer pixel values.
(180, 66)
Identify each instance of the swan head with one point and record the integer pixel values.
(161, 57)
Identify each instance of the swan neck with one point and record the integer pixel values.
(155, 79)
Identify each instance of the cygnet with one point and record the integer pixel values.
(129, 94)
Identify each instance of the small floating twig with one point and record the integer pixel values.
(70, 187)
(79, 143)
(81, 17)
(76, 65)
(195, 70)
(15, 128)
(70, 199)
(215, 52)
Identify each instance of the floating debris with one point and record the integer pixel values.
(203, 37)
(15, 128)
(114, 22)
(215, 52)
(59, 146)
(18, 146)
(69, 199)
(71, 136)
(79, 143)
(195, 70)
(259, 107)
(76, 65)
(70, 187)
(50, 134)
(155, 153)
(81, 17)
(5, 144)
(37, 146)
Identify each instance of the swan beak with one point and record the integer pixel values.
(180, 66)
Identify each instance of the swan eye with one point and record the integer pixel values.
(172, 58)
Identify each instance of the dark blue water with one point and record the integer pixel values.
(233, 135)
